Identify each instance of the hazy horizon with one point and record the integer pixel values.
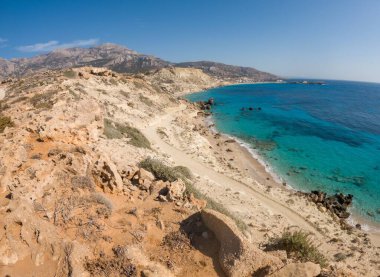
(298, 39)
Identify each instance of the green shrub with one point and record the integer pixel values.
(113, 130)
(298, 245)
(136, 137)
(70, 74)
(184, 171)
(5, 121)
(164, 172)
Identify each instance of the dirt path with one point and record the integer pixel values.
(221, 181)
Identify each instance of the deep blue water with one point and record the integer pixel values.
(323, 137)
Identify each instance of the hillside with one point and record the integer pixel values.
(230, 72)
(108, 174)
(120, 59)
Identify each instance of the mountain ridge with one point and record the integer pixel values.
(123, 60)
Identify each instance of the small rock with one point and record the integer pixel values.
(161, 225)
(205, 235)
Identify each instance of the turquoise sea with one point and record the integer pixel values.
(314, 137)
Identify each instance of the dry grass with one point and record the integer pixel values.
(5, 121)
(43, 101)
(113, 130)
(146, 100)
(100, 199)
(117, 265)
(298, 245)
(82, 182)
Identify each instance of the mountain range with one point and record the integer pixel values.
(122, 60)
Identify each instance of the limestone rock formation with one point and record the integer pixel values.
(236, 256)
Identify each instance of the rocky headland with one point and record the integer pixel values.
(113, 174)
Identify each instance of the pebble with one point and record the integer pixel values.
(205, 235)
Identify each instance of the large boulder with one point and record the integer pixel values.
(237, 257)
(107, 174)
(307, 269)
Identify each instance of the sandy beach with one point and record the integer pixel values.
(228, 173)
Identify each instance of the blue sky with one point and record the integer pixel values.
(335, 39)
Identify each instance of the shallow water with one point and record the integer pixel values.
(324, 137)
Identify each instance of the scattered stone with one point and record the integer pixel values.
(337, 204)
(176, 190)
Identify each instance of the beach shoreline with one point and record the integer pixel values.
(260, 169)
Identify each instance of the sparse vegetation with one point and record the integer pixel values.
(125, 94)
(43, 101)
(176, 240)
(117, 265)
(298, 245)
(164, 172)
(74, 94)
(162, 133)
(82, 182)
(113, 82)
(101, 199)
(167, 173)
(3, 106)
(114, 130)
(70, 74)
(111, 131)
(146, 100)
(5, 121)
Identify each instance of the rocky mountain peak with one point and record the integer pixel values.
(123, 60)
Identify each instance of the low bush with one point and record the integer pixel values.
(43, 101)
(298, 245)
(70, 74)
(113, 130)
(171, 174)
(82, 182)
(164, 172)
(5, 121)
(100, 199)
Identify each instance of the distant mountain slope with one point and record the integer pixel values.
(123, 60)
(225, 71)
